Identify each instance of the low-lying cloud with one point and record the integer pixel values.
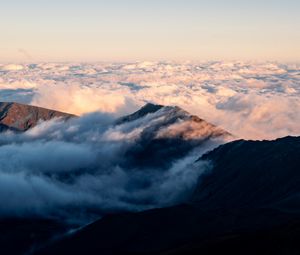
(250, 100)
(76, 170)
(78, 99)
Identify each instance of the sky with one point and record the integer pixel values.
(130, 30)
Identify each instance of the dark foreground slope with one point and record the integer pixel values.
(21, 236)
(248, 204)
(20, 117)
(253, 174)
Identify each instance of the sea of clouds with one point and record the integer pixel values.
(250, 100)
(78, 170)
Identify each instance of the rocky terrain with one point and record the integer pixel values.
(20, 117)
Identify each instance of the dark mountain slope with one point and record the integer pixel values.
(247, 204)
(187, 229)
(18, 236)
(20, 117)
(252, 174)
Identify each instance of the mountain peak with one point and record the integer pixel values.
(150, 107)
(146, 109)
(182, 121)
(21, 117)
(170, 111)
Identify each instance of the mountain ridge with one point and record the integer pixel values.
(21, 117)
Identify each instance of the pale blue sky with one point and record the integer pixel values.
(120, 30)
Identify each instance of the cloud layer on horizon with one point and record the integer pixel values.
(250, 100)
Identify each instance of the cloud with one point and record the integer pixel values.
(76, 170)
(234, 95)
(12, 67)
(235, 104)
(87, 167)
(270, 117)
(19, 95)
(45, 157)
(187, 130)
(17, 84)
(78, 99)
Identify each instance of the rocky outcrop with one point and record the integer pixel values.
(20, 117)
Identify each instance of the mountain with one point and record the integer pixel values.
(264, 173)
(248, 203)
(167, 133)
(152, 141)
(20, 117)
(146, 109)
(157, 135)
(174, 122)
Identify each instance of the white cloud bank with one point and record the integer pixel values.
(77, 170)
(251, 100)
